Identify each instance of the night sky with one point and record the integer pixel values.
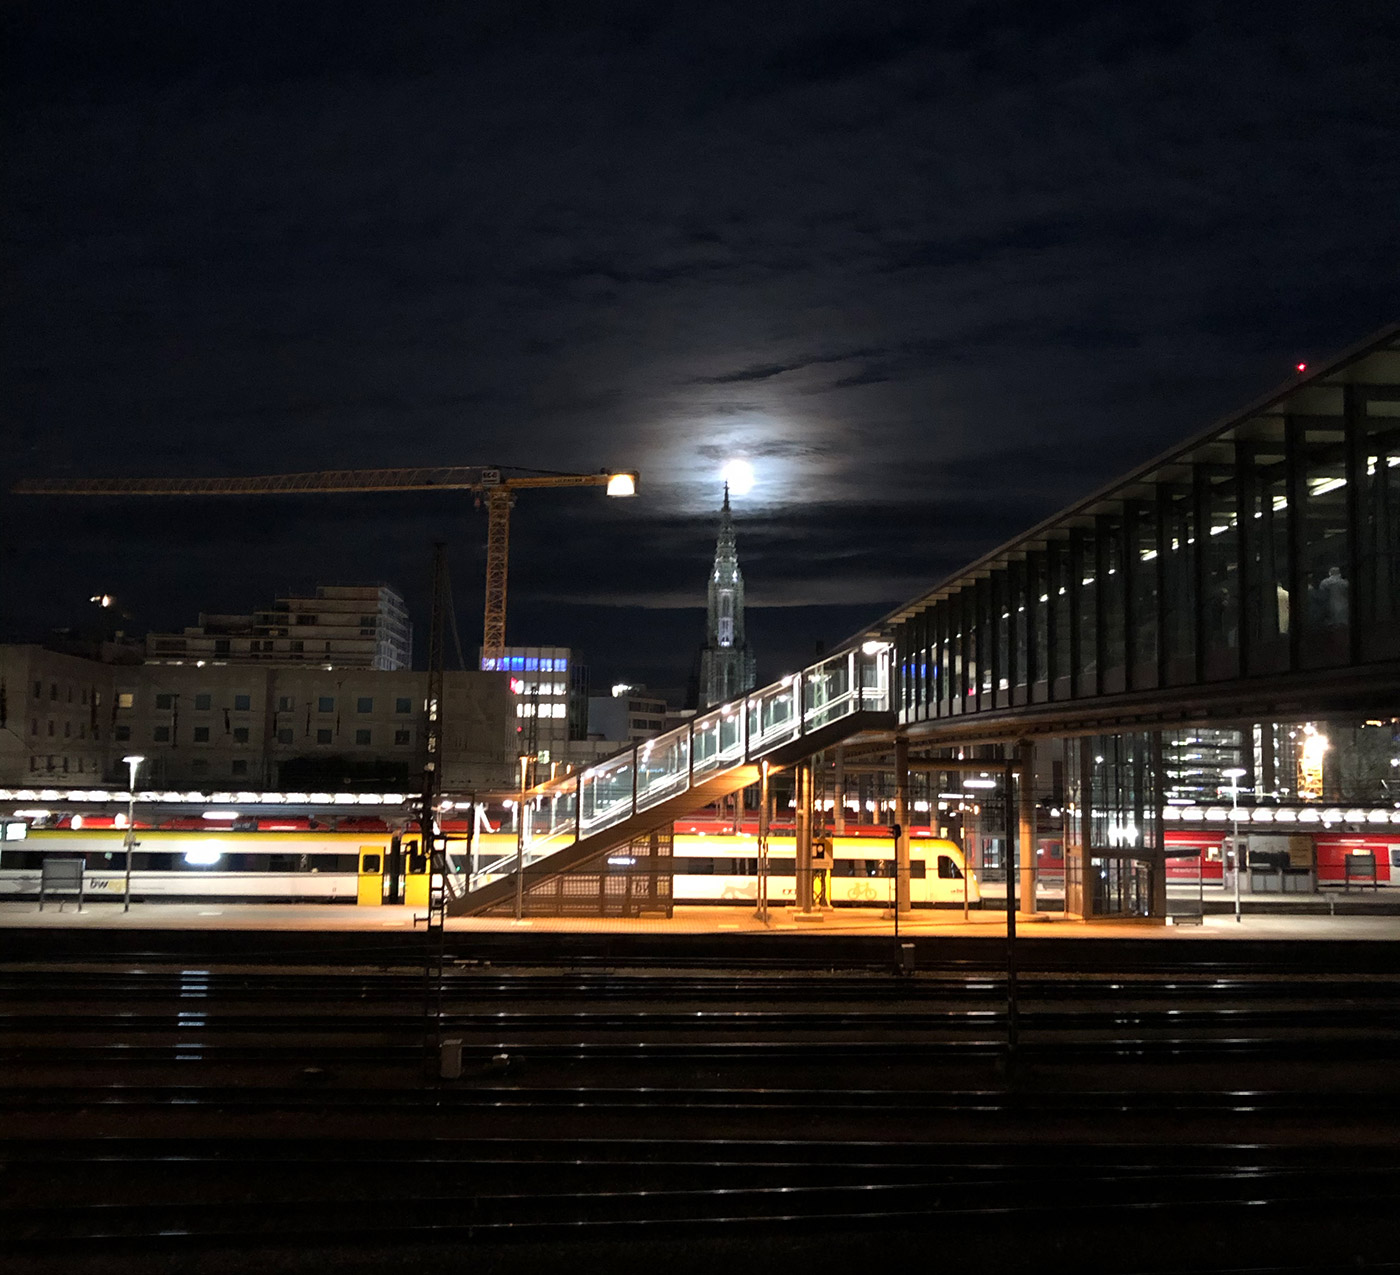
(934, 271)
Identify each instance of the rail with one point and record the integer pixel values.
(563, 811)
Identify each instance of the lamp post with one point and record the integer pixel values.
(1234, 775)
(133, 763)
(520, 841)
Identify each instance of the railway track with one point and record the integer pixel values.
(180, 1111)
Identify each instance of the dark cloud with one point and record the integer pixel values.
(934, 270)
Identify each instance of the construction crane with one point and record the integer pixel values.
(497, 489)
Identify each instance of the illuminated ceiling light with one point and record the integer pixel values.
(622, 484)
(221, 815)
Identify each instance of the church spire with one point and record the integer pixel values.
(726, 663)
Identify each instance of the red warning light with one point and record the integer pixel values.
(1302, 367)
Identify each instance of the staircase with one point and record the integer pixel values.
(580, 817)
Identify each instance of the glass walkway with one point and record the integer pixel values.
(571, 820)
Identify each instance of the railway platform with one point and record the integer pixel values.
(1314, 923)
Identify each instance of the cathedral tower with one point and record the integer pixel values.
(726, 663)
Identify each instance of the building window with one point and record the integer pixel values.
(368, 621)
(221, 646)
(284, 736)
(323, 736)
(240, 769)
(403, 737)
(53, 690)
(201, 734)
(240, 734)
(33, 725)
(306, 619)
(403, 704)
(121, 734)
(203, 702)
(161, 734)
(362, 737)
(165, 700)
(242, 703)
(67, 729)
(325, 704)
(126, 699)
(285, 703)
(365, 704)
(298, 646)
(38, 690)
(33, 764)
(50, 730)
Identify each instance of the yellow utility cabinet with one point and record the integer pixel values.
(416, 870)
(369, 890)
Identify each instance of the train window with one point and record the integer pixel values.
(282, 863)
(918, 870)
(696, 867)
(370, 862)
(776, 867)
(948, 870)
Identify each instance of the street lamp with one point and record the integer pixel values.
(133, 763)
(1234, 775)
(520, 841)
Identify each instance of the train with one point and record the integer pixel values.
(184, 860)
(1204, 850)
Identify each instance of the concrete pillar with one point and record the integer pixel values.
(802, 778)
(901, 817)
(839, 801)
(1026, 838)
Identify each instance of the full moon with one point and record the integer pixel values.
(739, 475)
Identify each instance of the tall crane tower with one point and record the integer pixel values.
(498, 491)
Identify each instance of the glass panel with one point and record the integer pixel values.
(1220, 547)
(1021, 639)
(1038, 613)
(826, 689)
(1142, 583)
(1266, 608)
(1061, 641)
(663, 767)
(1001, 623)
(719, 739)
(607, 793)
(1379, 528)
(1326, 617)
(1179, 602)
(772, 714)
(1112, 586)
(1086, 612)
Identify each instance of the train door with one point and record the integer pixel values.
(369, 886)
(415, 880)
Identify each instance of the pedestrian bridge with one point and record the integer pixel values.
(646, 787)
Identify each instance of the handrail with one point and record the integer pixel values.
(618, 787)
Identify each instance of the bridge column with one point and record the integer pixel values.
(901, 817)
(839, 802)
(1026, 836)
(806, 908)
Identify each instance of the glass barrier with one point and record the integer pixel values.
(719, 739)
(773, 715)
(663, 767)
(608, 791)
(826, 691)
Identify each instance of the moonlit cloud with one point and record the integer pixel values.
(932, 274)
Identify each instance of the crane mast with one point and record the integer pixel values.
(498, 489)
